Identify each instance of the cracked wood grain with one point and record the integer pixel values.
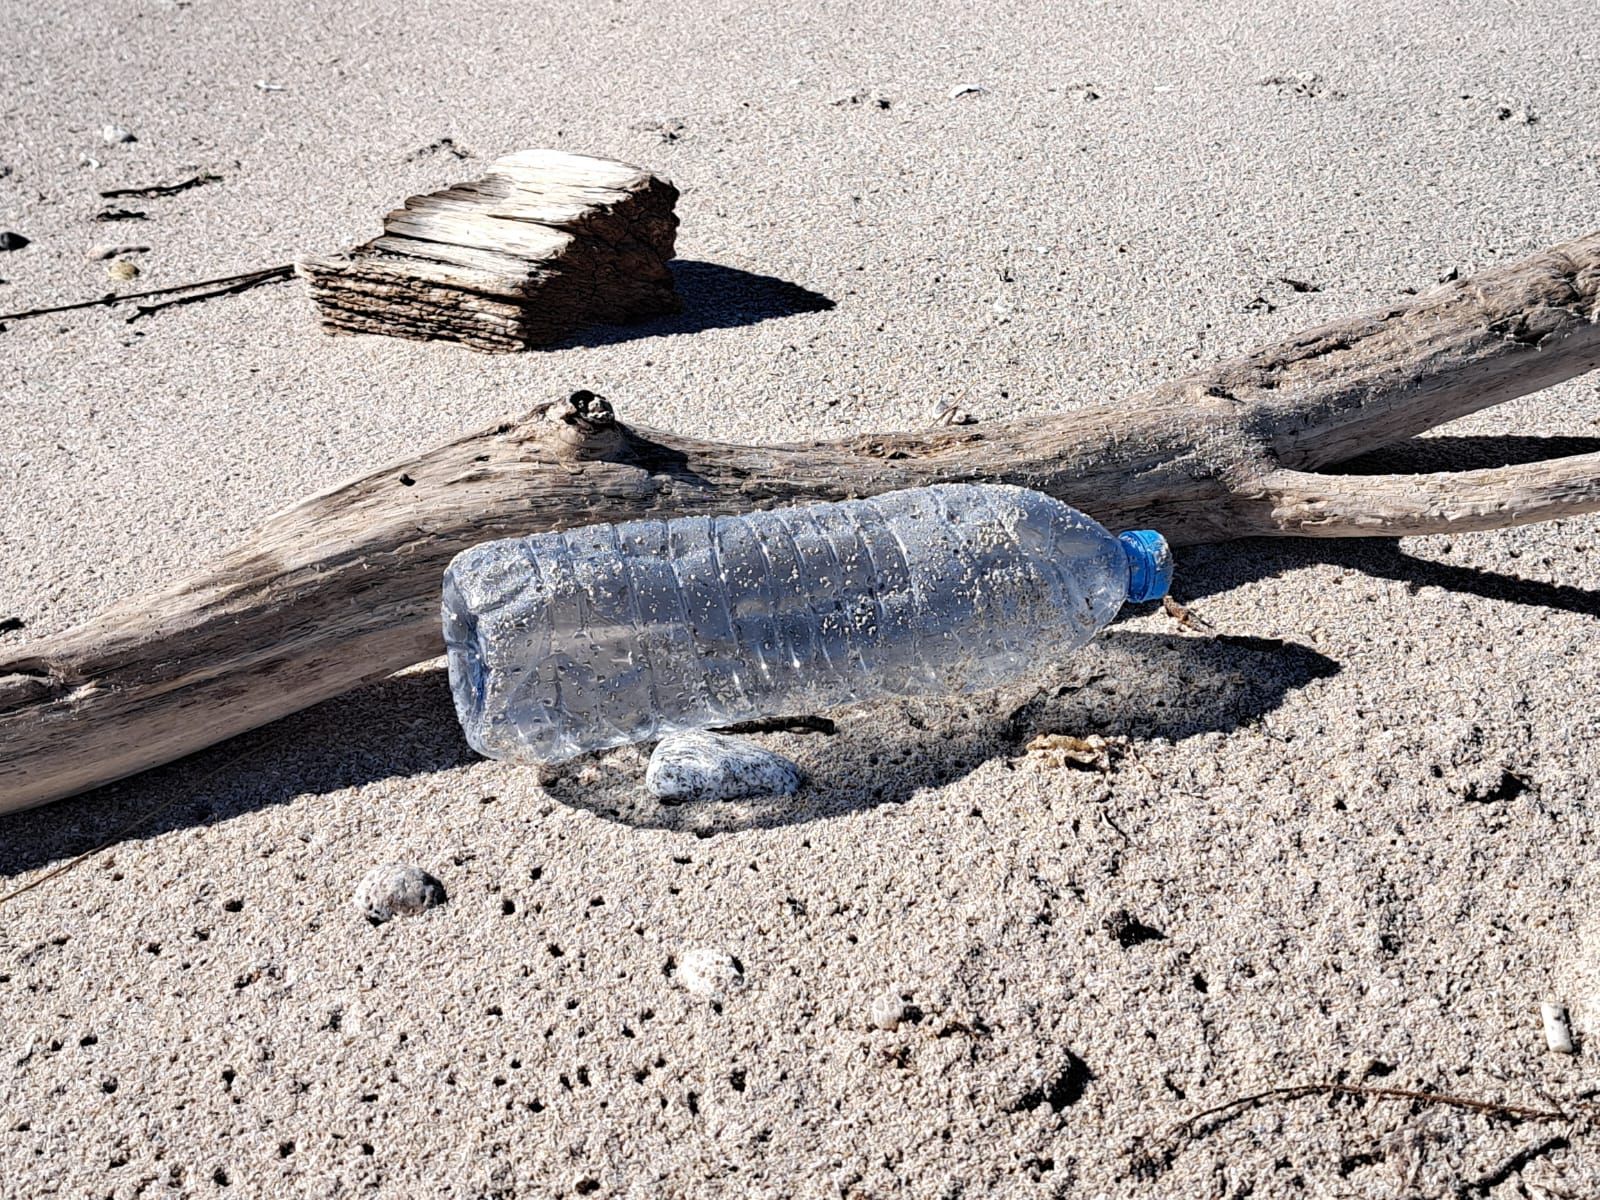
(343, 587)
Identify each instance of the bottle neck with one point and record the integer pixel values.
(1149, 564)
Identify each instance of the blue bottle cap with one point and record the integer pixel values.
(1149, 564)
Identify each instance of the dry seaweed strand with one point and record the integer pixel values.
(1152, 1161)
(153, 190)
(1493, 1108)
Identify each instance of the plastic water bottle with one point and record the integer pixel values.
(562, 643)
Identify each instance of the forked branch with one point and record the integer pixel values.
(1303, 504)
(343, 587)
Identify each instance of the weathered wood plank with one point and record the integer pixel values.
(564, 240)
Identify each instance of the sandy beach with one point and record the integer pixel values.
(1350, 841)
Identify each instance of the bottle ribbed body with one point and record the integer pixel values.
(562, 643)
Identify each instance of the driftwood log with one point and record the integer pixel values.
(544, 243)
(343, 587)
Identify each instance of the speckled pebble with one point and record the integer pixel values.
(710, 972)
(394, 890)
(122, 271)
(1557, 1028)
(714, 766)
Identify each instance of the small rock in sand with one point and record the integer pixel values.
(1522, 114)
(116, 135)
(1307, 84)
(888, 1010)
(1092, 753)
(966, 89)
(1557, 1028)
(866, 98)
(12, 241)
(712, 766)
(395, 890)
(710, 973)
(122, 271)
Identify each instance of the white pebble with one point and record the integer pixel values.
(888, 1010)
(395, 890)
(710, 973)
(1557, 1028)
(713, 766)
(116, 135)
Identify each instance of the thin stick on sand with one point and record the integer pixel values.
(1492, 1108)
(226, 285)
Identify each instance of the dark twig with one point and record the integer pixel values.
(1514, 1165)
(1488, 1107)
(781, 725)
(233, 289)
(1151, 1160)
(248, 279)
(163, 189)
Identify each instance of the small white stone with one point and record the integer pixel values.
(710, 973)
(888, 1010)
(116, 135)
(714, 766)
(395, 890)
(1557, 1028)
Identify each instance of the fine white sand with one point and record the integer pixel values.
(1368, 849)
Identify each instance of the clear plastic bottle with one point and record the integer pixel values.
(562, 643)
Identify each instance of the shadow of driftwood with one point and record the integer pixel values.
(1209, 570)
(714, 297)
(404, 726)
(1141, 685)
(1455, 453)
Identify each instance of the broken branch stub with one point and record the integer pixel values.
(543, 244)
(344, 587)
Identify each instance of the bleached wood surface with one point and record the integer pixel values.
(343, 588)
(544, 243)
